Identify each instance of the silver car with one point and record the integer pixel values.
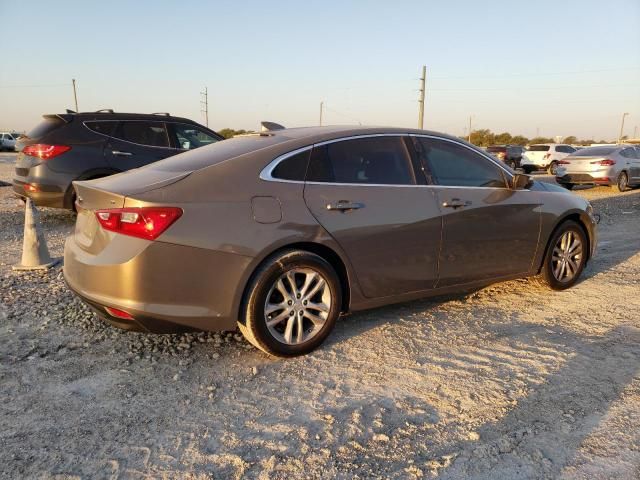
(615, 165)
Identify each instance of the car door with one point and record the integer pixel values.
(364, 191)
(489, 231)
(635, 170)
(136, 143)
(632, 163)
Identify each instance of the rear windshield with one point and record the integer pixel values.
(216, 153)
(496, 149)
(46, 125)
(594, 151)
(539, 148)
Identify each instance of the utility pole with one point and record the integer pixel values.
(635, 132)
(622, 127)
(75, 95)
(204, 106)
(470, 116)
(321, 109)
(423, 80)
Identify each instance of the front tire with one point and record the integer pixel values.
(292, 304)
(566, 256)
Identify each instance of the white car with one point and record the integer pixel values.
(8, 141)
(545, 156)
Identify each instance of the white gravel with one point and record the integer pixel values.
(511, 381)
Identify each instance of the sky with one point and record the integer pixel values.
(545, 67)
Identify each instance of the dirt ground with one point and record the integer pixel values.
(511, 381)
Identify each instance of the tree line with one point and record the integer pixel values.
(485, 137)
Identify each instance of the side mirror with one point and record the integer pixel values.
(520, 182)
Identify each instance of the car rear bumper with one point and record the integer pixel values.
(584, 179)
(41, 194)
(164, 287)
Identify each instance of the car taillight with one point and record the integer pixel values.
(605, 163)
(44, 151)
(141, 222)
(564, 162)
(116, 312)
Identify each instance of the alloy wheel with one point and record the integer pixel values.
(622, 182)
(297, 306)
(567, 256)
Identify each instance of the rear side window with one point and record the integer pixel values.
(452, 164)
(105, 128)
(293, 167)
(629, 152)
(539, 148)
(372, 160)
(153, 134)
(565, 149)
(47, 125)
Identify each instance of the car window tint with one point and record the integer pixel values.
(105, 128)
(47, 125)
(144, 133)
(539, 148)
(452, 164)
(188, 137)
(628, 153)
(565, 149)
(293, 167)
(373, 160)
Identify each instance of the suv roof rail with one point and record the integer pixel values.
(166, 114)
(70, 111)
(105, 110)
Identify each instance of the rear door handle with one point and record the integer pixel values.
(344, 205)
(456, 203)
(121, 154)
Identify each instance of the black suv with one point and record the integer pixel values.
(83, 146)
(509, 154)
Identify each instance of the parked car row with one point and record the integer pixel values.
(8, 141)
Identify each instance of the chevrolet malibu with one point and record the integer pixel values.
(282, 232)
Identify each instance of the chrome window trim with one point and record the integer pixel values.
(266, 173)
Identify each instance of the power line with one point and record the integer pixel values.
(564, 87)
(36, 86)
(530, 74)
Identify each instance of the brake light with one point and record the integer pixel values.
(142, 222)
(605, 163)
(564, 162)
(44, 151)
(115, 312)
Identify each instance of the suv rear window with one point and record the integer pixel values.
(539, 148)
(46, 125)
(496, 149)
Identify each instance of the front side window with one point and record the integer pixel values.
(452, 164)
(373, 160)
(188, 137)
(153, 134)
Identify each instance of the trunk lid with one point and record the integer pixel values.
(581, 164)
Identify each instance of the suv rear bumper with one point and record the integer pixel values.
(41, 194)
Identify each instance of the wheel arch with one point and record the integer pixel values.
(327, 253)
(577, 217)
(87, 175)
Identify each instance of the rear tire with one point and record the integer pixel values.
(622, 182)
(566, 256)
(291, 304)
(553, 168)
(527, 169)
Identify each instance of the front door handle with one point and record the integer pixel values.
(121, 154)
(344, 206)
(456, 203)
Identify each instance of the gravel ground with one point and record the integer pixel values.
(511, 381)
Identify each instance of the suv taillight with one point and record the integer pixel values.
(142, 222)
(605, 163)
(44, 151)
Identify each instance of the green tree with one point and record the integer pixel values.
(230, 132)
(519, 140)
(541, 140)
(483, 137)
(571, 139)
(503, 138)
